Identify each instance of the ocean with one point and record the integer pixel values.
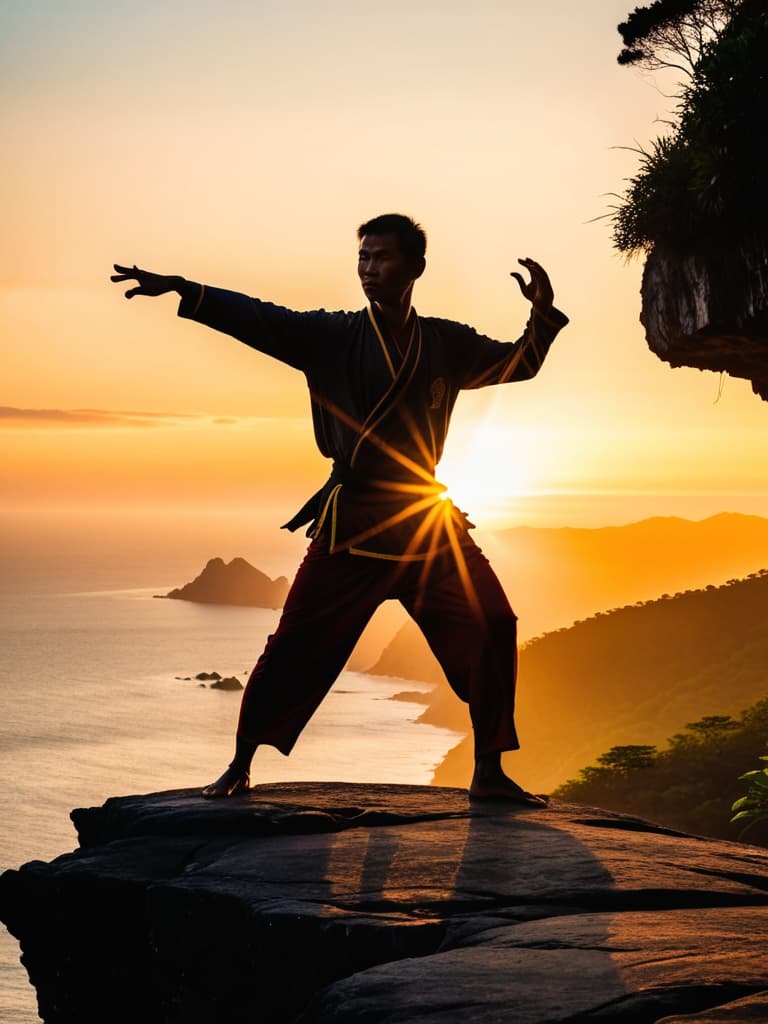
(93, 707)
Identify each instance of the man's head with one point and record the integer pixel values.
(391, 257)
(411, 237)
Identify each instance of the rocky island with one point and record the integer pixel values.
(321, 902)
(236, 582)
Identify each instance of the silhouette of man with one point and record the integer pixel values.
(383, 382)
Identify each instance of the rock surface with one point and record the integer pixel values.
(329, 902)
(709, 309)
(236, 582)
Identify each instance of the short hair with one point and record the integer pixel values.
(411, 237)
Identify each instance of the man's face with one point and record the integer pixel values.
(385, 273)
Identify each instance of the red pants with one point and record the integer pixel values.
(457, 602)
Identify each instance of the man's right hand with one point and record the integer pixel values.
(538, 290)
(148, 283)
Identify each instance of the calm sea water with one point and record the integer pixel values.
(92, 708)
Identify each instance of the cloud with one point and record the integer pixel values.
(11, 416)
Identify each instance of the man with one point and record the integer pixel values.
(383, 382)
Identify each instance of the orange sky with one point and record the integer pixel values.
(241, 143)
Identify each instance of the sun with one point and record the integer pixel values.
(487, 474)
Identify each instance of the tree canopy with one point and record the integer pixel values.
(673, 33)
(704, 179)
(693, 783)
(627, 758)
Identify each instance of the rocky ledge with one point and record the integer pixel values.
(329, 902)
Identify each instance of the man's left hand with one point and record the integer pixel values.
(538, 290)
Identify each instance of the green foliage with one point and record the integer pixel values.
(662, 193)
(752, 808)
(705, 179)
(692, 785)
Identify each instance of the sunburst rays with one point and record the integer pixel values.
(422, 496)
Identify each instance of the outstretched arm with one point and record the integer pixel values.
(293, 338)
(151, 284)
(494, 362)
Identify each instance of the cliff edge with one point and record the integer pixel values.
(321, 902)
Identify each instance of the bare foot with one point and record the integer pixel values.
(506, 790)
(234, 780)
(489, 782)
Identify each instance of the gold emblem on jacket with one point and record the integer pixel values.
(437, 392)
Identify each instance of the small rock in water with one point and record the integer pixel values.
(230, 683)
(207, 675)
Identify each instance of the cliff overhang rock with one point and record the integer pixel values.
(707, 308)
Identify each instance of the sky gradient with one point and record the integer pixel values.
(241, 144)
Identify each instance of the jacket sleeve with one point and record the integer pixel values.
(484, 361)
(292, 337)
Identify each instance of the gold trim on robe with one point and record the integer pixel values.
(378, 504)
(379, 411)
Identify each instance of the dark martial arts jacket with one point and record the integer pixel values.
(380, 412)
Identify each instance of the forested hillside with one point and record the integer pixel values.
(634, 675)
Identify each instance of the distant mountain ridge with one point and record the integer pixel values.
(559, 575)
(236, 582)
(554, 576)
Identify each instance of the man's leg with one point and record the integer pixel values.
(471, 628)
(329, 604)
